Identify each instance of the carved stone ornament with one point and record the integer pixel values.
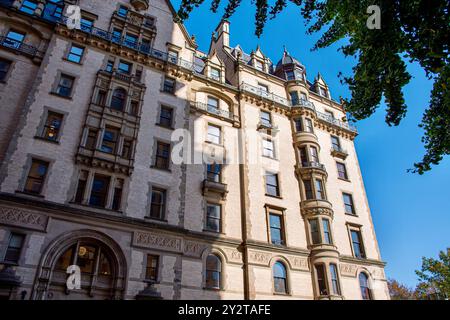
(23, 218)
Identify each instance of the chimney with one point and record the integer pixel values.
(223, 33)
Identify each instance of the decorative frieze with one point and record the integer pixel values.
(348, 270)
(23, 218)
(156, 241)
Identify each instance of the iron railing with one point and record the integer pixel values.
(313, 165)
(212, 110)
(18, 46)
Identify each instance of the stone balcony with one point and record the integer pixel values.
(338, 152)
(99, 159)
(214, 189)
(21, 48)
(212, 111)
(311, 166)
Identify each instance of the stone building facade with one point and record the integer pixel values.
(92, 116)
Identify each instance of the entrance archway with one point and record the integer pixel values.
(101, 262)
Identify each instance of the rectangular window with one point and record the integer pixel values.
(321, 280)
(335, 143)
(303, 156)
(266, 119)
(162, 155)
(117, 197)
(342, 170)
(165, 117)
(14, 248)
(294, 98)
(75, 54)
(259, 65)
(110, 138)
(169, 85)
(358, 248)
(334, 279)
(348, 203)
(214, 172)
(52, 126)
(134, 108)
(326, 231)
(81, 187)
(263, 89)
(101, 98)
(109, 66)
(290, 75)
(276, 229)
(158, 203)
(268, 148)
(127, 148)
(215, 74)
(309, 125)
(65, 85)
(36, 176)
(124, 67)
(330, 115)
(91, 141)
(308, 190)
(4, 69)
(214, 134)
(116, 35)
(213, 217)
(123, 11)
(320, 192)
(323, 92)
(314, 154)
(130, 40)
(14, 39)
(86, 24)
(28, 6)
(298, 125)
(315, 231)
(272, 188)
(213, 104)
(151, 270)
(173, 56)
(99, 192)
(138, 75)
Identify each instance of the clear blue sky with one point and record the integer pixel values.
(411, 216)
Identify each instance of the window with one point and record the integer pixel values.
(109, 66)
(309, 125)
(276, 229)
(358, 249)
(151, 269)
(134, 108)
(272, 188)
(330, 115)
(14, 39)
(169, 85)
(298, 125)
(314, 154)
(173, 56)
(280, 278)
(321, 280)
(214, 134)
(99, 192)
(52, 126)
(215, 74)
(162, 155)
(326, 231)
(118, 99)
(348, 203)
(335, 143)
(65, 86)
(28, 6)
(266, 119)
(101, 98)
(75, 54)
(213, 217)
(342, 170)
(315, 231)
(110, 138)
(138, 75)
(36, 176)
(165, 117)
(303, 96)
(127, 149)
(334, 279)
(131, 40)
(117, 197)
(91, 140)
(213, 104)
(263, 88)
(86, 24)
(303, 157)
(81, 187)
(308, 190)
(320, 192)
(158, 203)
(364, 286)
(294, 98)
(290, 75)
(4, 69)
(123, 11)
(124, 67)
(268, 148)
(14, 248)
(323, 92)
(213, 272)
(214, 172)
(259, 65)
(116, 35)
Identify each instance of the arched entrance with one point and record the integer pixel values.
(101, 262)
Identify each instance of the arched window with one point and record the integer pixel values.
(213, 272)
(364, 286)
(280, 278)
(118, 99)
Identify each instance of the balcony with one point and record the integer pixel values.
(213, 188)
(264, 94)
(269, 127)
(136, 19)
(120, 76)
(302, 103)
(336, 122)
(19, 47)
(306, 168)
(338, 152)
(210, 110)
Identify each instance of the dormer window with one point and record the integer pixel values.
(323, 92)
(215, 74)
(290, 75)
(28, 6)
(173, 56)
(123, 11)
(259, 65)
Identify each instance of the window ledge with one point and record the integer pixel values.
(161, 169)
(271, 158)
(60, 96)
(47, 140)
(281, 294)
(156, 219)
(214, 144)
(165, 127)
(30, 194)
(346, 180)
(72, 62)
(352, 215)
(168, 92)
(272, 196)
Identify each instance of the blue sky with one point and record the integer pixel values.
(409, 211)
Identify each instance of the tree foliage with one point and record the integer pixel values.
(399, 291)
(434, 277)
(411, 30)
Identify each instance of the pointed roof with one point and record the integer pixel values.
(288, 59)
